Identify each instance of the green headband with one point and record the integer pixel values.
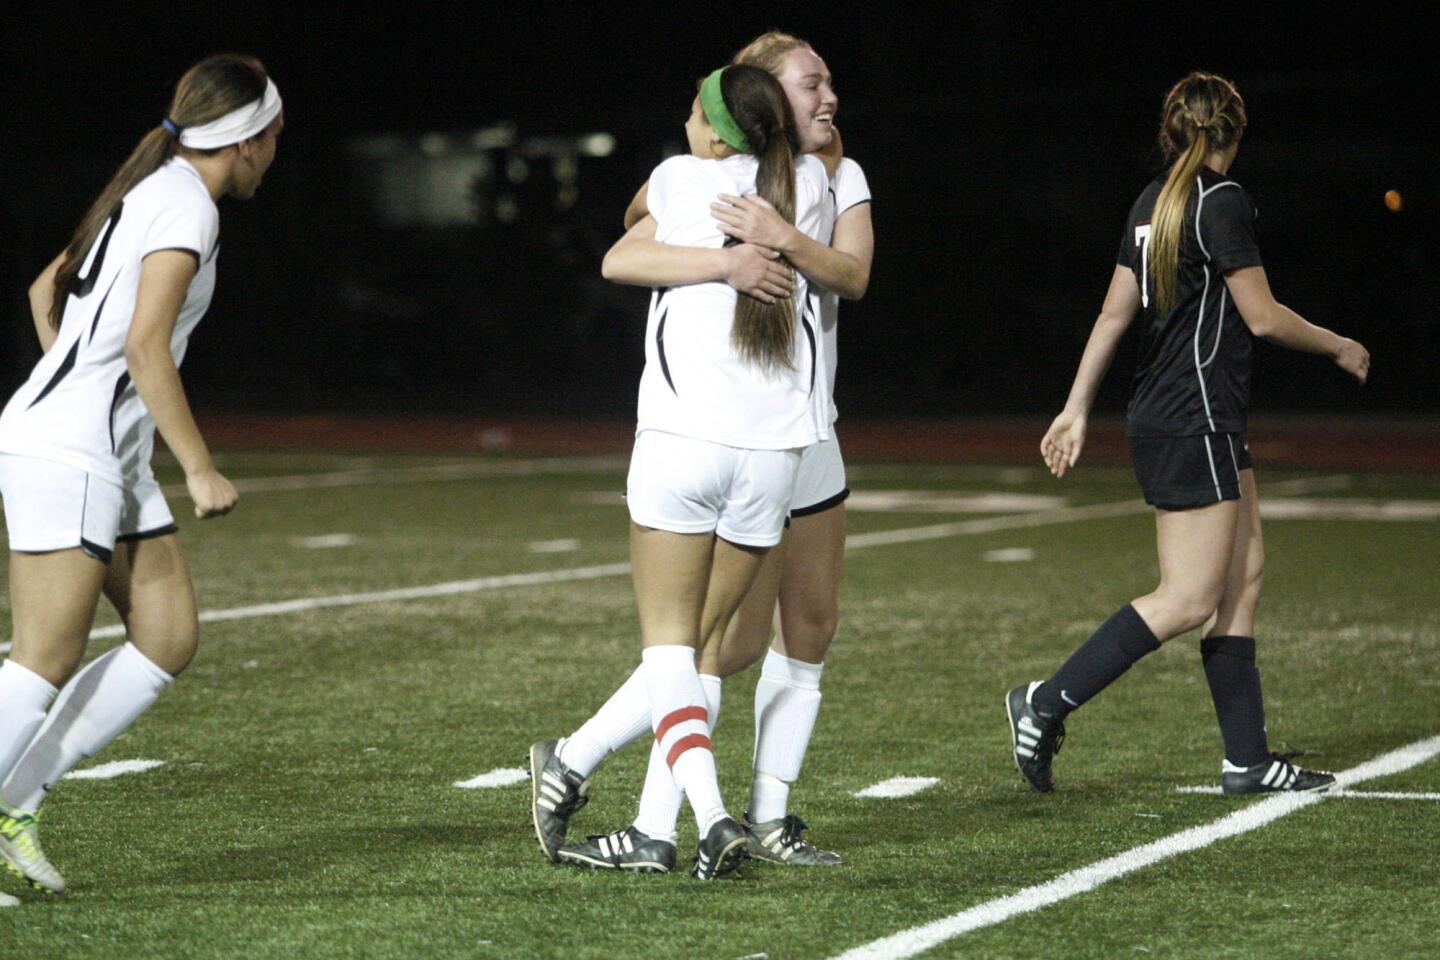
(712, 101)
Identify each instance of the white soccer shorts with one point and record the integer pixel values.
(820, 481)
(55, 506)
(685, 485)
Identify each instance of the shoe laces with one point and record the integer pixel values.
(576, 797)
(790, 831)
(1054, 736)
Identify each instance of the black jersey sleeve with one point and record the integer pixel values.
(1126, 257)
(1227, 229)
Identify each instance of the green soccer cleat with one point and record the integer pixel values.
(20, 846)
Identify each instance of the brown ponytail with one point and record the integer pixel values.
(1202, 113)
(764, 333)
(209, 90)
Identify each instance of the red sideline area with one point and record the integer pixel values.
(1351, 443)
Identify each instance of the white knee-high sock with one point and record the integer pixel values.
(96, 705)
(622, 719)
(660, 800)
(24, 698)
(787, 701)
(682, 728)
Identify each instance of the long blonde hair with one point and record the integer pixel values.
(1202, 113)
(208, 90)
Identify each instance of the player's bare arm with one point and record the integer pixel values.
(843, 267)
(1063, 442)
(42, 296)
(639, 207)
(1266, 317)
(164, 279)
(639, 259)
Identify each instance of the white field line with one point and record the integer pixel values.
(1009, 555)
(1094, 511)
(116, 768)
(1360, 794)
(897, 787)
(8, 901)
(908, 943)
(499, 777)
(443, 471)
(449, 589)
(853, 542)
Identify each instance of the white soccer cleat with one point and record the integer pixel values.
(20, 847)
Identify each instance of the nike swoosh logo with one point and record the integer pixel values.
(1066, 697)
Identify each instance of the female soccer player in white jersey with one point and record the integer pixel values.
(114, 313)
(1189, 265)
(731, 393)
(804, 571)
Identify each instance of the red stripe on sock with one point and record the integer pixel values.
(686, 743)
(680, 716)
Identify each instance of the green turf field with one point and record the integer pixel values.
(306, 804)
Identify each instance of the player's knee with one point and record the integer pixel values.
(808, 636)
(1190, 608)
(172, 648)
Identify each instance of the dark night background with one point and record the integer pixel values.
(1004, 143)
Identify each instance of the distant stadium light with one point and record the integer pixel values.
(493, 138)
(1393, 201)
(597, 145)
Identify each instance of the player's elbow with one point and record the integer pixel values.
(855, 285)
(610, 267)
(1262, 321)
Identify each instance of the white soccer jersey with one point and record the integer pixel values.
(694, 384)
(79, 406)
(847, 189)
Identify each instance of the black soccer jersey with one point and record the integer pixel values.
(1194, 370)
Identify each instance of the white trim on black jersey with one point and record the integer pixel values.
(1200, 314)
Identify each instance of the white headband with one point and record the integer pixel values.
(237, 125)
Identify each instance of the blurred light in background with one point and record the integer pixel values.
(1393, 201)
(462, 179)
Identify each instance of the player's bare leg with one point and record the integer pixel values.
(1194, 547)
(53, 597)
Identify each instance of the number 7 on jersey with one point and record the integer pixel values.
(1142, 240)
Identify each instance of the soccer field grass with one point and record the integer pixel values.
(306, 804)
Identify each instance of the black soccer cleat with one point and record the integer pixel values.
(627, 849)
(556, 792)
(1033, 741)
(720, 851)
(1275, 775)
(781, 842)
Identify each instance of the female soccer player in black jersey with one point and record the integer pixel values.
(1189, 265)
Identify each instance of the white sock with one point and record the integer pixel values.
(660, 800)
(787, 700)
(682, 728)
(96, 705)
(24, 698)
(622, 719)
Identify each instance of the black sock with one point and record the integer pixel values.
(1235, 688)
(1110, 651)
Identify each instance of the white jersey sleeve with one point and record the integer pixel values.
(850, 186)
(180, 225)
(679, 197)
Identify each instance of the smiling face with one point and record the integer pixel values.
(806, 81)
